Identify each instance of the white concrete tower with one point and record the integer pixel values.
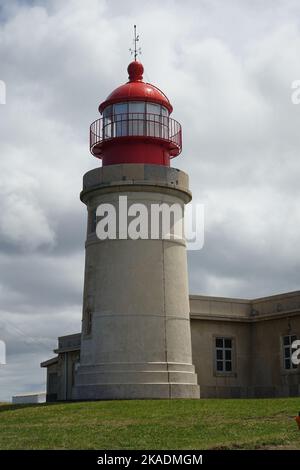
(136, 339)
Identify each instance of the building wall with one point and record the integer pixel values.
(66, 364)
(269, 378)
(32, 398)
(52, 383)
(274, 317)
(61, 370)
(256, 328)
(219, 384)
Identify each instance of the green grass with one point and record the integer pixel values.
(152, 424)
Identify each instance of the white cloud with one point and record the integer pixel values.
(22, 219)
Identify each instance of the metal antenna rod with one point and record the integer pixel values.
(137, 50)
(136, 38)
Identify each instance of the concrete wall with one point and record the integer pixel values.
(269, 378)
(61, 369)
(136, 340)
(257, 328)
(212, 383)
(53, 388)
(60, 376)
(29, 399)
(275, 317)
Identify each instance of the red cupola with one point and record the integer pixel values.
(135, 126)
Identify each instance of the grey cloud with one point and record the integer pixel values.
(230, 87)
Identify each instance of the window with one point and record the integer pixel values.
(107, 122)
(287, 342)
(121, 119)
(165, 122)
(135, 118)
(153, 119)
(223, 354)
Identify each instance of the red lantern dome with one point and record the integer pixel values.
(137, 90)
(136, 127)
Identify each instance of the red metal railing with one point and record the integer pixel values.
(135, 124)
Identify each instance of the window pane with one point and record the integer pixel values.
(136, 118)
(120, 118)
(293, 338)
(121, 128)
(153, 127)
(136, 107)
(228, 355)
(223, 354)
(153, 108)
(135, 124)
(107, 111)
(165, 127)
(287, 364)
(120, 108)
(287, 352)
(164, 111)
(219, 354)
(286, 340)
(107, 127)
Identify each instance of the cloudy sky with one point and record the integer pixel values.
(227, 68)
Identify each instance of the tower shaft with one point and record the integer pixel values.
(136, 340)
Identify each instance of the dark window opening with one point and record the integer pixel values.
(223, 348)
(288, 352)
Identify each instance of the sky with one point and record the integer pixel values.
(228, 69)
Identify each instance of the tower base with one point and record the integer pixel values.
(136, 381)
(136, 391)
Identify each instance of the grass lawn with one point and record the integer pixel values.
(152, 424)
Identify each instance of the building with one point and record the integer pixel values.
(242, 348)
(140, 328)
(254, 336)
(29, 398)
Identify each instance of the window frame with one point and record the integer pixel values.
(113, 127)
(293, 367)
(224, 373)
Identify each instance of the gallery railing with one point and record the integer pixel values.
(135, 124)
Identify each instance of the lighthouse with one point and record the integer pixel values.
(136, 338)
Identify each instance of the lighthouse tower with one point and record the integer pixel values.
(136, 339)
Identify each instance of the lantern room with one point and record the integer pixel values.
(135, 124)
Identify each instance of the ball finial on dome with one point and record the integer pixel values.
(135, 71)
